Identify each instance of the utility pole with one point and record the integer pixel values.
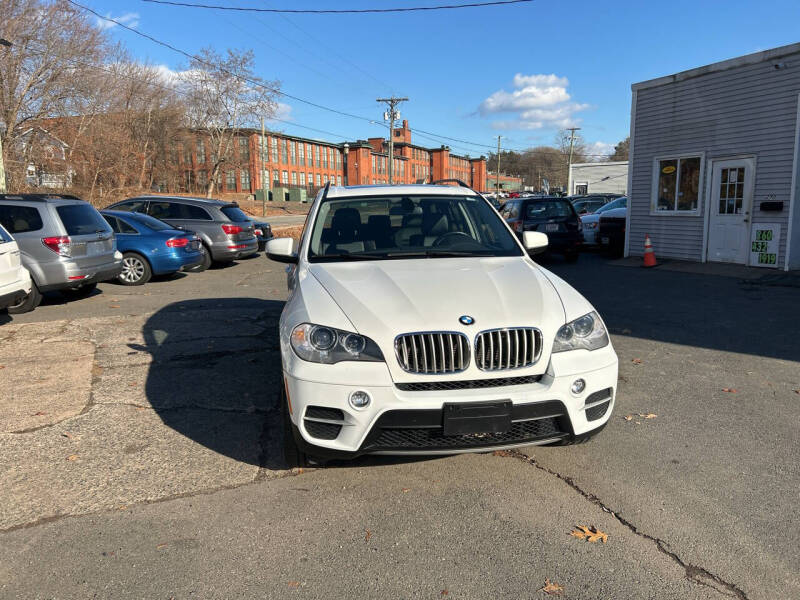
(264, 191)
(7, 44)
(390, 116)
(572, 131)
(497, 173)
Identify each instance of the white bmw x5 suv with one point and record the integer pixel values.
(417, 323)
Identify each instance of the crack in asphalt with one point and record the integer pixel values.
(694, 573)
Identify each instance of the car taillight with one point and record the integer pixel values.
(60, 244)
(258, 232)
(231, 229)
(177, 243)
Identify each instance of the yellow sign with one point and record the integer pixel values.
(668, 169)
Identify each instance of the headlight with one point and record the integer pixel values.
(320, 344)
(585, 332)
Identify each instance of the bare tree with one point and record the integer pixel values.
(223, 96)
(52, 42)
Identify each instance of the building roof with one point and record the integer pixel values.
(731, 63)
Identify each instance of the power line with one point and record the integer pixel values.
(308, 11)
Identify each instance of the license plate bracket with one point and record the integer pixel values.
(551, 227)
(476, 417)
(605, 240)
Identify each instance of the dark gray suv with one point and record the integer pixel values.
(63, 241)
(225, 230)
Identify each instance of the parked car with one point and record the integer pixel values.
(611, 230)
(263, 232)
(417, 323)
(64, 243)
(15, 281)
(151, 247)
(590, 221)
(225, 230)
(551, 215)
(587, 206)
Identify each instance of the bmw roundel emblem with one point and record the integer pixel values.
(466, 320)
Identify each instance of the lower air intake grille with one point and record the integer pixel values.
(597, 411)
(472, 384)
(323, 412)
(322, 431)
(433, 438)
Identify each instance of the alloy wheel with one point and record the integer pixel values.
(132, 269)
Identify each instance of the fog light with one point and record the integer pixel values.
(578, 386)
(359, 399)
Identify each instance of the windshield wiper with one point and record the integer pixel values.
(433, 254)
(359, 256)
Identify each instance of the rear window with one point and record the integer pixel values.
(548, 209)
(81, 219)
(131, 206)
(234, 214)
(19, 219)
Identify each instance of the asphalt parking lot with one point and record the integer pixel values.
(140, 446)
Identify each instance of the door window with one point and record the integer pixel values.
(731, 191)
(19, 219)
(176, 210)
(131, 206)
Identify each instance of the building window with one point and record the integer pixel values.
(187, 154)
(676, 184)
(319, 181)
(338, 159)
(373, 163)
(285, 177)
(230, 181)
(275, 176)
(201, 152)
(284, 156)
(294, 153)
(325, 179)
(294, 177)
(324, 158)
(302, 153)
(244, 149)
(302, 177)
(244, 177)
(316, 157)
(338, 180)
(275, 152)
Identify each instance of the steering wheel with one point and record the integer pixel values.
(440, 240)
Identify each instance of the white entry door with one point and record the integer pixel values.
(731, 199)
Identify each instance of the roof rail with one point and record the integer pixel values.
(458, 181)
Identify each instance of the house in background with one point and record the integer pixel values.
(714, 162)
(44, 157)
(598, 178)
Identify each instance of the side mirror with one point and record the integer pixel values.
(535, 242)
(281, 250)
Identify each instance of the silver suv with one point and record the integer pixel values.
(64, 243)
(226, 231)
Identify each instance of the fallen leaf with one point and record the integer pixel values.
(2, 366)
(140, 407)
(160, 546)
(122, 507)
(72, 457)
(648, 415)
(405, 490)
(637, 361)
(369, 535)
(552, 588)
(113, 306)
(501, 453)
(796, 391)
(294, 584)
(39, 413)
(729, 390)
(68, 435)
(590, 534)
(444, 593)
(132, 384)
(628, 417)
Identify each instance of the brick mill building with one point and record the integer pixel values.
(297, 162)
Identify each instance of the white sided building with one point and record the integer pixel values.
(598, 178)
(714, 162)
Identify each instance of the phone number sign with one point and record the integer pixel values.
(764, 244)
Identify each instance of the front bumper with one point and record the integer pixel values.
(411, 422)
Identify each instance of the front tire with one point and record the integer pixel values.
(135, 269)
(28, 303)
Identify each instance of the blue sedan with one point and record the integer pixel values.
(151, 247)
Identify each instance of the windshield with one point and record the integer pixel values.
(150, 222)
(385, 227)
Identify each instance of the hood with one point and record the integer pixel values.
(383, 299)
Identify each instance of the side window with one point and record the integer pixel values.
(162, 210)
(113, 222)
(19, 219)
(194, 212)
(125, 228)
(131, 206)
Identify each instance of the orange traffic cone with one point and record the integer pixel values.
(649, 255)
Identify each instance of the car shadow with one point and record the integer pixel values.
(215, 375)
(706, 311)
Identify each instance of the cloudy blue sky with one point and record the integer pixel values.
(521, 71)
